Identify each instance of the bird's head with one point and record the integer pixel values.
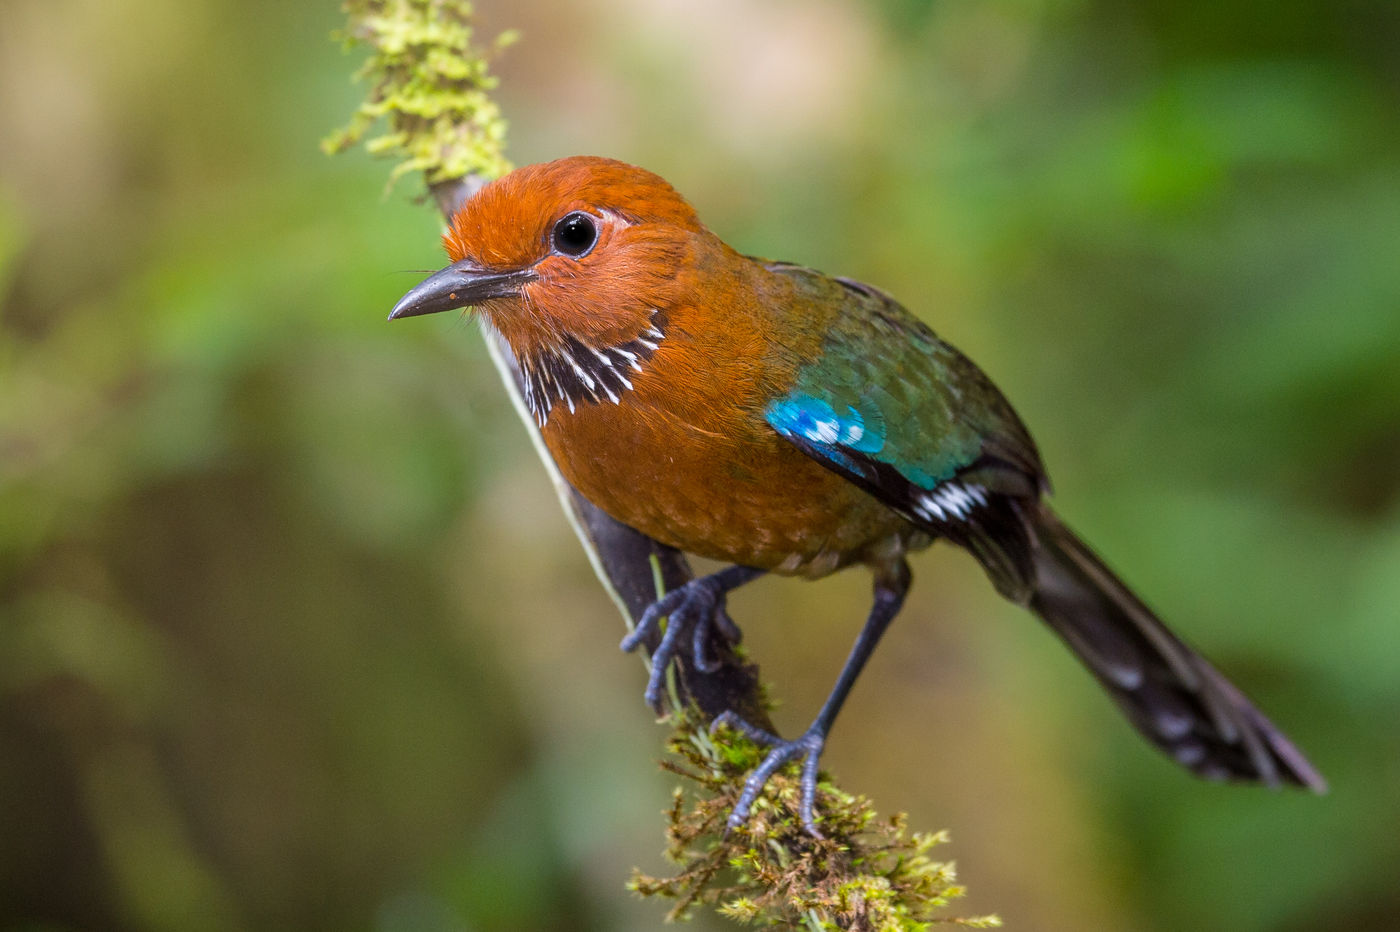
(584, 247)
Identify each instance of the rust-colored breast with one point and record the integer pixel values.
(686, 456)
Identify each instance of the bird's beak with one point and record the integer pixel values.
(461, 284)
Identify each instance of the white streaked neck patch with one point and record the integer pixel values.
(572, 373)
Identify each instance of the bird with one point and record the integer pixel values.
(780, 420)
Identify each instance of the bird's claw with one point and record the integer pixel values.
(717, 620)
(808, 747)
(697, 606)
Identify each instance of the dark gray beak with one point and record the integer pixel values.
(461, 284)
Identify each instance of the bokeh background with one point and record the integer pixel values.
(293, 633)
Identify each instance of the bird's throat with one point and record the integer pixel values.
(569, 371)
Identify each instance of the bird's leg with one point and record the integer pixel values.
(698, 606)
(890, 589)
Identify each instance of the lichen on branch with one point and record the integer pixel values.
(430, 85)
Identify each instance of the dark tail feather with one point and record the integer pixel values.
(1174, 697)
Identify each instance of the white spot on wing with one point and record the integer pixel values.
(826, 431)
(950, 500)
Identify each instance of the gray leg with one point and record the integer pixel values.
(890, 589)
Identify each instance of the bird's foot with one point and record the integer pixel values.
(808, 747)
(697, 607)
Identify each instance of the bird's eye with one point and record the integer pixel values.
(575, 234)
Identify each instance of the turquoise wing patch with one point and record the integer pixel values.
(818, 422)
(818, 426)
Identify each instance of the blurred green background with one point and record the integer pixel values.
(294, 635)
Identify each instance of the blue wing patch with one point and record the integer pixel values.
(829, 432)
(817, 422)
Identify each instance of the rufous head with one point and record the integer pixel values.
(582, 246)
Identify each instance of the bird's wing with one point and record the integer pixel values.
(907, 417)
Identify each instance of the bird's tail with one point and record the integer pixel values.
(1168, 691)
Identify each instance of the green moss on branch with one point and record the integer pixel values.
(430, 86)
(867, 873)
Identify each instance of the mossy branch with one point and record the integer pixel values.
(430, 84)
(867, 873)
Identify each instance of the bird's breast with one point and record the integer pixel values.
(685, 456)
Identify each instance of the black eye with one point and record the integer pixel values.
(575, 234)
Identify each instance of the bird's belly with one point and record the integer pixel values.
(745, 497)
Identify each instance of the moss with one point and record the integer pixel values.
(867, 873)
(429, 85)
